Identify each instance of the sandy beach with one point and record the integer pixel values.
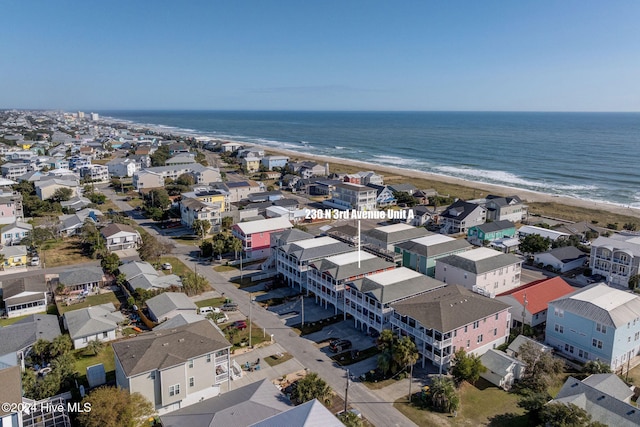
(527, 195)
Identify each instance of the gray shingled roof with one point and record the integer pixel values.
(599, 404)
(498, 362)
(135, 268)
(610, 384)
(13, 287)
(397, 236)
(306, 254)
(236, 408)
(389, 293)
(82, 275)
(341, 272)
(166, 302)
(483, 265)
(435, 249)
(490, 227)
(165, 348)
(290, 236)
(150, 281)
(448, 308)
(25, 332)
(567, 253)
(92, 320)
(179, 320)
(309, 414)
(459, 210)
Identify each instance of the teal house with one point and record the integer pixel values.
(421, 254)
(490, 231)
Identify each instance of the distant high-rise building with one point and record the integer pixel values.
(94, 116)
(81, 114)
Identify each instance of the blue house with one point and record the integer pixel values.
(271, 162)
(490, 231)
(596, 323)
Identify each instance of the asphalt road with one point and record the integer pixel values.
(377, 410)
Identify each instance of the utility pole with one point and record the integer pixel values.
(410, 380)
(302, 300)
(250, 309)
(346, 393)
(524, 312)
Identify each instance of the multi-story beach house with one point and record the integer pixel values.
(11, 207)
(482, 270)
(617, 258)
(120, 236)
(251, 164)
(95, 173)
(384, 195)
(460, 216)
(194, 209)
(174, 368)
(271, 162)
(505, 208)
(146, 180)
(45, 189)
(352, 196)
(240, 190)
(256, 235)
(123, 167)
(201, 174)
(482, 234)
(596, 323)
(369, 299)
(387, 236)
(14, 170)
(293, 259)
(450, 318)
(529, 302)
(328, 277)
(421, 254)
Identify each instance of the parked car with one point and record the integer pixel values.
(240, 324)
(596, 278)
(340, 346)
(35, 261)
(209, 309)
(167, 266)
(230, 306)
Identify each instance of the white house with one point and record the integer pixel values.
(120, 236)
(502, 369)
(12, 234)
(25, 295)
(168, 305)
(563, 259)
(617, 258)
(99, 322)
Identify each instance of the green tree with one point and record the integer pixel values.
(115, 407)
(236, 246)
(561, 415)
(61, 345)
(152, 249)
(634, 281)
(466, 367)
(62, 194)
(311, 387)
(349, 419)
(443, 395)
(40, 349)
(542, 368)
(194, 284)
(157, 198)
(95, 346)
(201, 227)
(160, 156)
(403, 197)
(533, 404)
(206, 249)
(534, 243)
(38, 236)
(405, 352)
(92, 242)
(218, 247)
(185, 179)
(385, 344)
(110, 263)
(596, 367)
(64, 365)
(227, 222)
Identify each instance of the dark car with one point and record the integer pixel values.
(240, 324)
(596, 278)
(340, 346)
(230, 306)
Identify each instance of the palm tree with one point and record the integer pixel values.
(443, 394)
(41, 349)
(312, 387)
(2, 261)
(236, 245)
(60, 345)
(218, 247)
(405, 352)
(95, 346)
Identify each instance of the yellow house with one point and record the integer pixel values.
(14, 256)
(211, 197)
(251, 164)
(26, 146)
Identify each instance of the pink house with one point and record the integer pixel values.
(256, 235)
(450, 318)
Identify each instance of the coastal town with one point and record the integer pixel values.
(182, 280)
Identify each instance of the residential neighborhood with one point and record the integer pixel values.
(215, 281)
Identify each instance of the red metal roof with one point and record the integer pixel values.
(539, 293)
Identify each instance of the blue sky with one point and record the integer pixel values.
(321, 55)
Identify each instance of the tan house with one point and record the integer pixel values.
(174, 368)
(121, 236)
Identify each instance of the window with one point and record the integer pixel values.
(105, 335)
(497, 315)
(192, 382)
(558, 328)
(208, 358)
(466, 328)
(480, 338)
(468, 343)
(191, 363)
(476, 324)
(495, 332)
(637, 337)
(601, 328)
(558, 313)
(174, 390)
(596, 343)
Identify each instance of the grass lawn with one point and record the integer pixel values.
(257, 335)
(275, 360)
(179, 267)
(85, 358)
(108, 205)
(63, 252)
(11, 320)
(223, 268)
(187, 240)
(482, 404)
(91, 301)
(211, 302)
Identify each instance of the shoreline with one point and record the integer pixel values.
(528, 196)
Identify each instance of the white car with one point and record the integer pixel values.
(167, 266)
(35, 261)
(209, 309)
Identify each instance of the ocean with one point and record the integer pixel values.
(590, 156)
